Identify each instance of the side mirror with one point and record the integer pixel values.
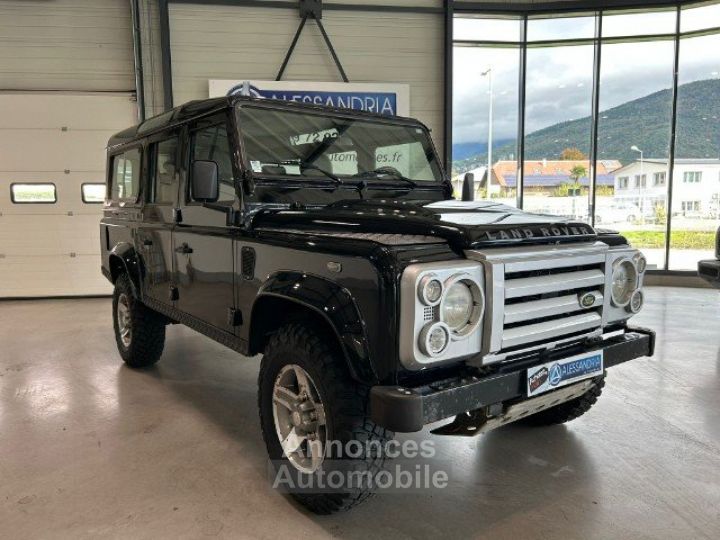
(204, 186)
(468, 187)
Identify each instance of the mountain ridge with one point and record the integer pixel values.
(647, 119)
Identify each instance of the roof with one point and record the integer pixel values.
(543, 173)
(200, 107)
(547, 167)
(173, 116)
(664, 162)
(479, 173)
(556, 180)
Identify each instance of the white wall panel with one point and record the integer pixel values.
(226, 42)
(77, 45)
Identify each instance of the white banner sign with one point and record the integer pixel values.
(390, 99)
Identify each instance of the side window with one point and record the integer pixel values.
(126, 176)
(164, 172)
(211, 144)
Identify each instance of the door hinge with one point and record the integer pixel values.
(234, 317)
(174, 294)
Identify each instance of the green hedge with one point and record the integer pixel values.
(678, 239)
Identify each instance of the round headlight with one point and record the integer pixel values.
(457, 307)
(624, 281)
(434, 339)
(461, 307)
(430, 290)
(640, 263)
(636, 301)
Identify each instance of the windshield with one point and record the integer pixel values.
(288, 143)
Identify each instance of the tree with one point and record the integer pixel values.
(572, 154)
(577, 172)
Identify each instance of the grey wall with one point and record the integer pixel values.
(234, 42)
(75, 45)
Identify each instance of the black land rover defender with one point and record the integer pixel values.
(328, 240)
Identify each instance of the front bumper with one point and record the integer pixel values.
(407, 409)
(709, 270)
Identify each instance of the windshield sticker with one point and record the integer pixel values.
(316, 137)
(256, 166)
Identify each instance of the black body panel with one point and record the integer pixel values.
(463, 225)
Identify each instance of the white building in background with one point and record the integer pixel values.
(696, 186)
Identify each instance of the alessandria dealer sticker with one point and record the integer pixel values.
(560, 373)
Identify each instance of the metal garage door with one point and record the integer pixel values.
(52, 248)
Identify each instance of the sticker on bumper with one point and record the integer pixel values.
(559, 373)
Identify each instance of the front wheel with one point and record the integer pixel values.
(139, 331)
(310, 409)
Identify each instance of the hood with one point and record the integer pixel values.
(462, 224)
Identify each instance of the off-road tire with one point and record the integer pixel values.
(346, 405)
(147, 328)
(570, 410)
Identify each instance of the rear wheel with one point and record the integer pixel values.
(139, 331)
(309, 408)
(569, 410)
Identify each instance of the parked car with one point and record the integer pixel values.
(618, 212)
(709, 269)
(327, 240)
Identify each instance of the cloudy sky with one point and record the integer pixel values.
(559, 79)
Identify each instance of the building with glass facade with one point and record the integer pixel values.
(608, 115)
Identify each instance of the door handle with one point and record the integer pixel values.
(184, 249)
(147, 243)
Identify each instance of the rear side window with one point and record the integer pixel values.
(126, 176)
(211, 144)
(36, 192)
(164, 167)
(93, 193)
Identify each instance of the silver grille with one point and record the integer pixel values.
(536, 292)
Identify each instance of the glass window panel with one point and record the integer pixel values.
(486, 29)
(165, 178)
(477, 97)
(126, 176)
(558, 105)
(93, 193)
(633, 143)
(696, 172)
(700, 17)
(639, 24)
(211, 144)
(33, 193)
(561, 28)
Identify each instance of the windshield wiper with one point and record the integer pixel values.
(305, 165)
(387, 171)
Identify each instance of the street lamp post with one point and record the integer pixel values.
(488, 174)
(641, 184)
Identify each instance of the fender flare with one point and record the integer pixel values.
(125, 256)
(332, 303)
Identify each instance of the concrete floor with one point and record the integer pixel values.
(89, 448)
